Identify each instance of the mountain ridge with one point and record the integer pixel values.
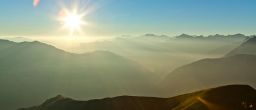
(30, 68)
(222, 97)
(212, 72)
(248, 47)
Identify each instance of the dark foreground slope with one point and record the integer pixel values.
(233, 97)
(37, 70)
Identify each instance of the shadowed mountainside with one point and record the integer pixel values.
(236, 67)
(212, 72)
(232, 97)
(248, 47)
(37, 70)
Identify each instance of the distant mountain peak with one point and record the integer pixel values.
(156, 36)
(184, 36)
(33, 43)
(213, 37)
(239, 34)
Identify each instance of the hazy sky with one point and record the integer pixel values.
(117, 17)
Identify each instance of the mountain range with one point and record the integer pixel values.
(162, 54)
(37, 70)
(33, 71)
(213, 37)
(231, 97)
(236, 67)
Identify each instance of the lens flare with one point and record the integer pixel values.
(36, 3)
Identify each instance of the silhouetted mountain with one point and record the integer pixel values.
(156, 36)
(184, 36)
(213, 37)
(232, 97)
(37, 70)
(248, 47)
(213, 72)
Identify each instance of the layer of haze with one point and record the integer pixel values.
(159, 54)
(126, 65)
(98, 65)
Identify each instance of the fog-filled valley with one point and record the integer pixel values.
(148, 65)
(127, 55)
(160, 54)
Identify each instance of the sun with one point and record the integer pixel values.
(71, 20)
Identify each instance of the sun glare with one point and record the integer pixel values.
(71, 20)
